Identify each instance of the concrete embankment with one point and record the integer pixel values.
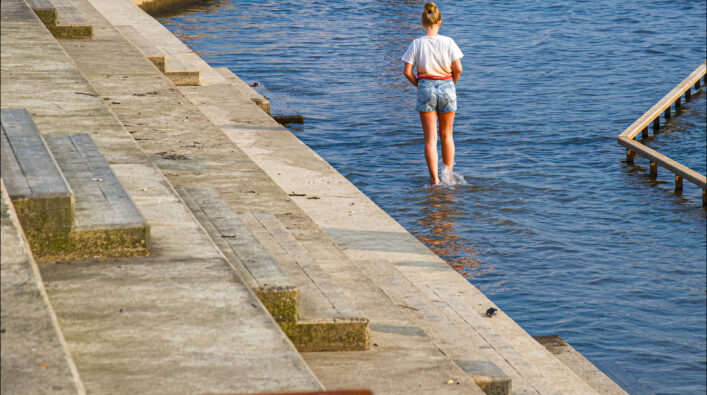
(186, 318)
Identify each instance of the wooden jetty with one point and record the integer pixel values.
(672, 100)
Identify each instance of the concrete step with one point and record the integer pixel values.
(179, 72)
(309, 307)
(40, 193)
(107, 223)
(579, 364)
(62, 19)
(45, 10)
(328, 321)
(244, 89)
(151, 52)
(34, 358)
(67, 197)
(248, 258)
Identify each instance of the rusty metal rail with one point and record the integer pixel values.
(672, 100)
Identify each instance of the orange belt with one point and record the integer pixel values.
(434, 77)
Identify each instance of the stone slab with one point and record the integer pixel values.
(42, 198)
(34, 356)
(256, 259)
(579, 364)
(328, 321)
(45, 11)
(244, 88)
(70, 23)
(101, 201)
(320, 297)
(29, 168)
(487, 376)
(153, 54)
(126, 13)
(248, 258)
(170, 327)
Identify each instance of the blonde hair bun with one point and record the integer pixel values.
(431, 15)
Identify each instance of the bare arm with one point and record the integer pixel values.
(456, 70)
(408, 71)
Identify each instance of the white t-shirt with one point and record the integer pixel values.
(433, 55)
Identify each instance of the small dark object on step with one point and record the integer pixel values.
(285, 119)
(491, 312)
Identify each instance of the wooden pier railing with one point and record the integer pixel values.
(652, 116)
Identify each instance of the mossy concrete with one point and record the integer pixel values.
(488, 376)
(47, 16)
(183, 77)
(281, 302)
(335, 335)
(71, 31)
(120, 242)
(46, 223)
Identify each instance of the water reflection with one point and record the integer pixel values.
(439, 217)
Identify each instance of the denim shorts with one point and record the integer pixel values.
(436, 95)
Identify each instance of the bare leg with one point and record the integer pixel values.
(446, 123)
(429, 127)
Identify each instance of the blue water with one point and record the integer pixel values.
(553, 225)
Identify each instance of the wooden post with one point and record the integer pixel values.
(630, 155)
(678, 106)
(697, 85)
(704, 198)
(678, 184)
(644, 133)
(656, 125)
(654, 169)
(666, 114)
(688, 95)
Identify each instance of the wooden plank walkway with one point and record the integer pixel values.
(674, 98)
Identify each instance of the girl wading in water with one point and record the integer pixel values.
(438, 63)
